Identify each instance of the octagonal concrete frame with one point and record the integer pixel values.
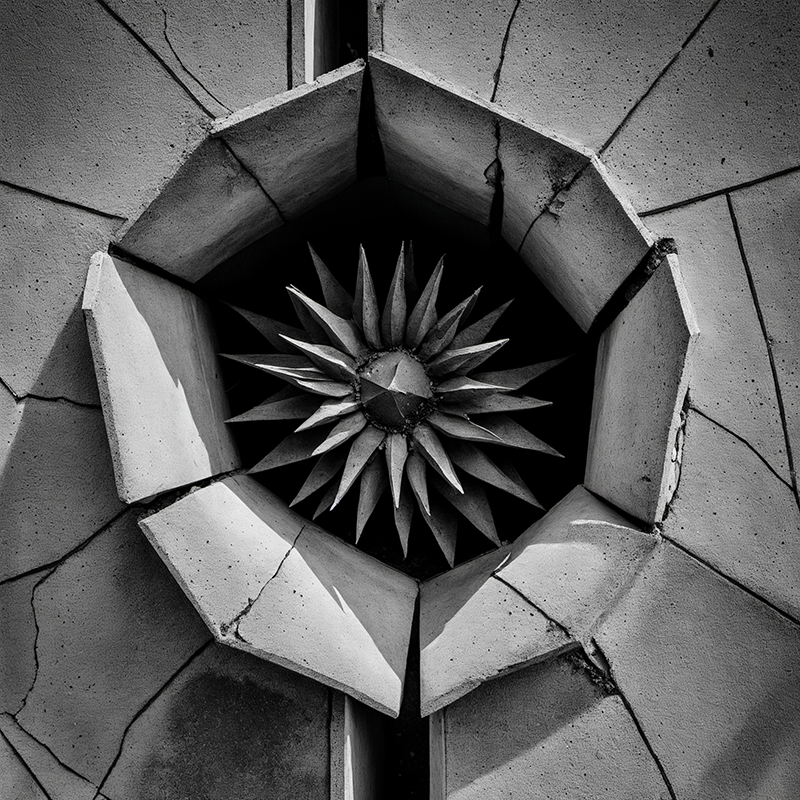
(270, 163)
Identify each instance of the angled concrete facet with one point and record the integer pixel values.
(301, 145)
(474, 628)
(157, 370)
(641, 379)
(209, 210)
(268, 582)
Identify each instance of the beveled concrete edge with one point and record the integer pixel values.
(276, 657)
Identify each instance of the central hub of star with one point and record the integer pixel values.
(395, 390)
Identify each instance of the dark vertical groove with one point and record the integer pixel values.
(289, 60)
(503, 51)
(770, 353)
(495, 177)
(370, 159)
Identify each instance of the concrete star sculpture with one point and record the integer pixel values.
(387, 398)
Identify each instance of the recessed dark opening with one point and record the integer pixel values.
(340, 33)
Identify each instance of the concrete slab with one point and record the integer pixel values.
(18, 634)
(158, 374)
(210, 209)
(438, 36)
(230, 55)
(584, 80)
(113, 628)
(712, 675)
(100, 122)
(16, 780)
(731, 379)
(641, 379)
(585, 244)
(56, 481)
(769, 215)
(735, 514)
(228, 725)
(270, 583)
(301, 145)
(546, 732)
(46, 247)
(576, 561)
(726, 105)
(473, 628)
(59, 782)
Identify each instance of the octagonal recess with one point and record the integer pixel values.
(641, 379)
(538, 597)
(266, 581)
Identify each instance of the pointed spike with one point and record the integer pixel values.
(322, 472)
(396, 453)
(508, 468)
(402, 519)
(512, 434)
(473, 504)
(412, 290)
(446, 328)
(365, 308)
(462, 388)
(460, 428)
(366, 443)
(373, 485)
(494, 404)
(334, 362)
(393, 323)
(463, 359)
(430, 447)
(423, 317)
(329, 410)
(340, 332)
(271, 329)
(511, 379)
(283, 405)
(478, 331)
(337, 298)
(476, 463)
(346, 429)
(326, 388)
(443, 522)
(270, 360)
(326, 501)
(314, 332)
(295, 447)
(417, 478)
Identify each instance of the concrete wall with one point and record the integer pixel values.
(692, 108)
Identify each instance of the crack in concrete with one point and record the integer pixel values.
(744, 441)
(503, 46)
(658, 78)
(145, 707)
(554, 622)
(255, 178)
(770, 353)
(187, 70)
(25, 765)
(233, 626)
(62, 201)
(495, 178)
(635, 720)
(676, 459)
(162, 63)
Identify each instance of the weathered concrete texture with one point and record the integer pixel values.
(474, 628)
(18, 635)
(45, 249)
(301, 145)
(460, 42)
(156, 363)
(640, 386)
(722, 114)
(579, 69)
(59, 782)
(16, 780)
(585, 244)
(56, 480)
(113, 628)
(769, 216)
(735, 514)
(576, 561)
(548, 732)
(229, 54)
(712, 675)
(99, 121)
(229, 725)
(211, 209)
(270, 583)
(730, 378)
